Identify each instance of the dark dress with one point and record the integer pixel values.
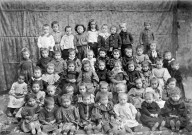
(146, 110)
(177, 108)
(167, 63)
(42, 63)
(41, 82)
(104, 59)
(111, 63)
(103, 75)
(133, 75)
(153, 59)
(126, 60)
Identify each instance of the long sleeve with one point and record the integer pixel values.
(131, 38)
(119, 42)
(12, 90)
(39, 42)
(141, 38)
(95, 77)
(59, 116)
(166, 75)
(144, 109)
(79, 79)
(52, 42)
(79, 65)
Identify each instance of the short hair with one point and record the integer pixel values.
(29, 96)
(104, 25)
(154, 79)
(101, 61)
(37, 68)
(118, 63)
(139, 78)
(84, 29)
(145, 63)
(171, 80)
(140, 47)
(82, 84)
(25, 49)
(122, 94)
(36, 82)
(102, 50)
(89, 25)
(149, 93)
(86, 62)
(69, 62)
(50, 64)
(159, 60)
(105, 95)
(90, 51)
(65, 96)
(174, 62)
(175, 91)
(51, 87)
(166, 52)
(67, 27)
(44, 49)
(103, 83)
(113, 26)
(86, 94)
(153, 42)
(130, 63)
(122, 85)
(57, 52)
(49, 101)
(128, 48)
(71, 50)
(69, 88)
(45, 25)
(53, 23)
(116, 50)
(21, 74)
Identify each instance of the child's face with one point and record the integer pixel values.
(45, 54)
(117, 66)
(50, 69)
(175, 66)
(175, 97)
(171, 85)
(145, 67)
(159, 64)
(26, 55)
(123, 99)
(139, 83)
(37, 73)
(154, 84)
(120, 89)
(149, 98)
(101, 66)
(55, 27)
(31, 102)
(168, 56)
(90, 55)
(113, 30)
(123, 27)
(66, 103)
(93, 25)
(86, 100)
(153, 46)
(105, 29)
(71, 67)
(49, 108)
(102, 53)
(36, 88)
(70, 91)
(139, 51)
(128, 53)
(104, 88)
(86, 67)
(51, 91)
(147, 26)
(57, 56)
(80, 29)
(21, 79)
(104, 100)
(46, 29)
(72, 55)
(131, 67)
(68, 31)
(116, 55)
(82, 89)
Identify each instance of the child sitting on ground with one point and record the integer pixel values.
(51, 95)
(102, 71)
(102, 57)
(167, 60)
(116, 58)
(91, 59)
(127, 58)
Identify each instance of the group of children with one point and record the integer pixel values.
(93, 81)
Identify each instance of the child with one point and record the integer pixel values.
(116, 57)
(136, 94)
(44, 60)
(153, 53)
(161, 73)
(150, 113)
(92, 36)
(26, 65)
(57, 35)
(40, 95)
(72, 57)
(70, 76)
(175, 111)
(176, 73)
(47, 117)
(102, 72)
(16, 95)
(102, 56)
(102, 115)
(67, 116)
(126, 113)
(46, 40)
(114, 39)
(105, 34)
(67, 42)
(127, 58)
(167, 60)
(146, 74)
(146, 36)
(60, 64)
(87, 75)
(133, 74)
(91, 59)
(126, 37)
(104, 86)
(85, 111)
(80, 41)
(29, 113)
(140, 57)
(52, 95)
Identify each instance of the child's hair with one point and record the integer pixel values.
(128, 48)
(65, 96)
(51, 87)
(147, 23)
(71, 50)
(103, 96)
(84, 29)
(101, 61)
(166, 52)
(86, 62)
(171, 80)
(174, 62)
(37, 68)
(57, 52)
(113, 26)
(82, 84)
(45, 25)
(69, 88)
(49, 101)
(122, 86)
(102, 50)
(90, 51)
(175, 91)
(53, 23)
(103, 83)
(159, 60)
(29, 96)
(149, 93)
(116, 50)
(67, 28)
(121, 95)
(145, 63)
(21, 74)
(89, 25)
(36, 82)
(118, 63)
(44, 49)
(140, 47)
(50, 64)
(86, 94)
(69, 62)
(135, 80)
(104, 25)
(130, 63)
(154, 79)
(153, 42)
(24, 50)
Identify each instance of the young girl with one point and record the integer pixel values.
(126, 113)
(47, 118)
(102, 72)
(103, 114)
(136, 95)
(116, 57)
(26, 65)
(29, 113)
(80, 41)
(67, 116)
(67, 42)
(92, 36)
(16, 95)
(161, 73)
(127, 58)
(44, 60)
(167, 60)
(150, 113)
(70, 76)
(87, 75)
(175, 111)
(91, 59)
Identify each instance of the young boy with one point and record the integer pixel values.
(126, 38)
(46, 40)
(146, 36)
(102, 56)
(167, 60)
(128, 57)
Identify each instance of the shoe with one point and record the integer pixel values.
(155, 126)
(162, 125)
